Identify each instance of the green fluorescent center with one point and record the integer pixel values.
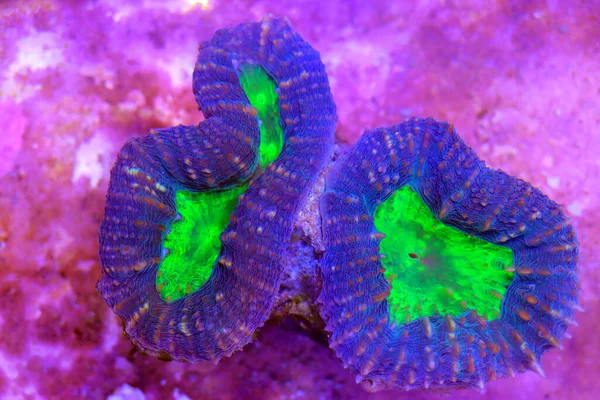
(193, 243)
(261, 92)
(434, 268)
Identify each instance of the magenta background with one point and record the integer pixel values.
(520, 80)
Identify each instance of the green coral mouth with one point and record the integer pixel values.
(262, 94)
(193, 243)
(434, 268)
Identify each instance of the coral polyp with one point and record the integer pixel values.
(248, 83)
(437, 344)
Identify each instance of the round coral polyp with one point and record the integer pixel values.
(440, 271)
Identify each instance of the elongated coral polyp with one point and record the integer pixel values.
(155, 176)
(462, 349)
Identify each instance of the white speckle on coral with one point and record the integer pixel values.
(553, 181)
(89, 162)
(575, 208)
(126, 392)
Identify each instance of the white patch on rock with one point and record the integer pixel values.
(8, 368)
(367, 58)
(177, 395)
(548, 161)
(179, 70)
(126, 392)
(553, 181)
(503, 150)
(111, 331)
(575, 208)
(36, 51)
(91, 161)
(48, 352)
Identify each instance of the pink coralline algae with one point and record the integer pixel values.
(13, 136)
(80, 79)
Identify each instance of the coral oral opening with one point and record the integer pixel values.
(434, 268)
(193, 243)
(262, 94)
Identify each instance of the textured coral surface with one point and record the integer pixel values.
(221, 315)
(78, 78)
(461, 348)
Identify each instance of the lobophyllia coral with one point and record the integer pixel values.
(479, 278)
(451, 348)
(220, 153)
(518, 79)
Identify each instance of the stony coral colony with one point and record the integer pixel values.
(438, 271)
